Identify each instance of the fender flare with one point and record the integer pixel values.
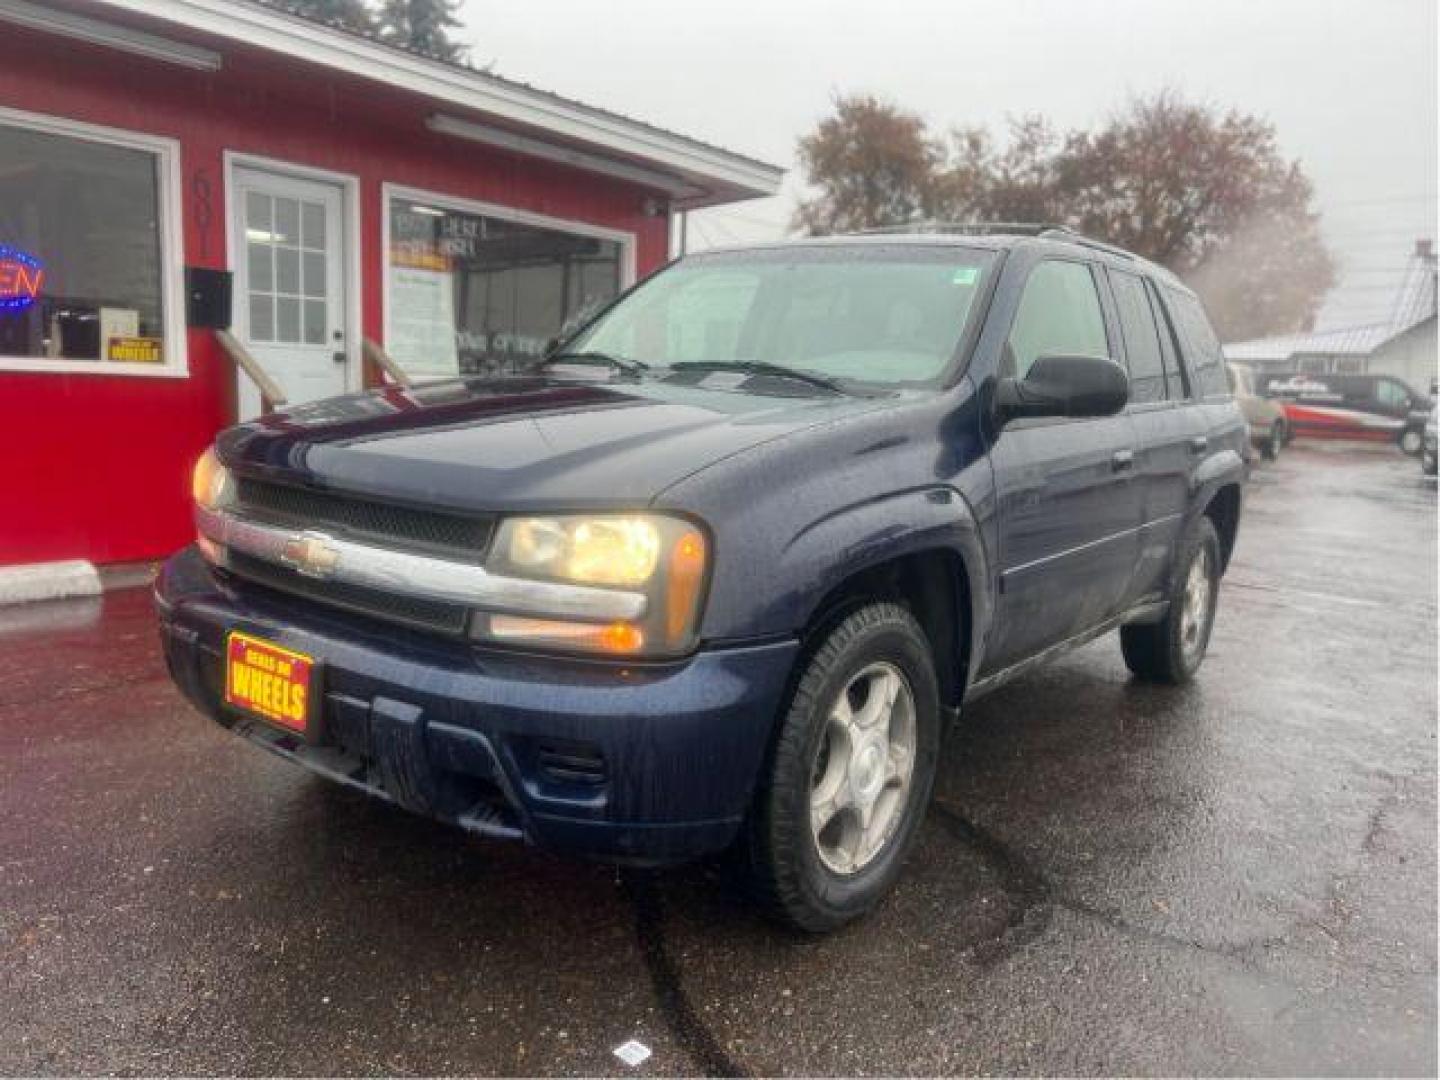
(863, 536)
(1222, 469)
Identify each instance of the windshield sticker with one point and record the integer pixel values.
(965, 275)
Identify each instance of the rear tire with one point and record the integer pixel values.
(810, 864)
(1172, 650)
(1272, 446)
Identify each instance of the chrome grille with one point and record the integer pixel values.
(437, 532)
(432, 615)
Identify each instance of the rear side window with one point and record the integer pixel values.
(1176, 383)
(1392, 393)
(1198, 342)
(1142, 338)
(1059, 315)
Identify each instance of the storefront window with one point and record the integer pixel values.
(477, 294)
(81, 252)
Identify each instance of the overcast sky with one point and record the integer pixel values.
(1349, 84)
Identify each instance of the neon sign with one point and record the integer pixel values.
(21, 276)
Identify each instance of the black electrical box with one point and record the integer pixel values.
(207, 297)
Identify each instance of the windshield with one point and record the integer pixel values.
(872, 314)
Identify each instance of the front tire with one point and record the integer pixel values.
(1412, 442)
(1172, 650)
(850, 776)
(1427, 464)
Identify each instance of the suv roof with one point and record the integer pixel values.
(992, 235)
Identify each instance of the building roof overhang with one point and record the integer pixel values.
(468, 103)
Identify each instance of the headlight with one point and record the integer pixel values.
(213, 488)
(664, 558)
(211, 483)
(585, 550)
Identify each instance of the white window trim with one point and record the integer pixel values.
(172, 255)
(389, 193)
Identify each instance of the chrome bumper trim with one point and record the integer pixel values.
(329, 558)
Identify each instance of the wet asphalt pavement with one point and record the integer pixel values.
(1236, 877)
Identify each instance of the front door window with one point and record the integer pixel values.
(1059, 315)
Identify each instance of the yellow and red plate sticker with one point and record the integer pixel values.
(264, 679)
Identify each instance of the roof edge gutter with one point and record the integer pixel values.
(727, 175)
(110, 35)
(501, 139)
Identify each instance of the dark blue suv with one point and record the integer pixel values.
(721, 569)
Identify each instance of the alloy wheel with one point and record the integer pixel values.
(1196, 612)
(863, 769)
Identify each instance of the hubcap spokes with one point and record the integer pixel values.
(860, 782)
(1196, 612)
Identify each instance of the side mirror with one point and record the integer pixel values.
(1064, 386)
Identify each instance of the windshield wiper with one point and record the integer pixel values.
(760, 367)
(619, 363)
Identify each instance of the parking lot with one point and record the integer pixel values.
(1235, 877)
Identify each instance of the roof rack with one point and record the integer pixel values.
(1064, 232)
(964, 228)
(1044, 230)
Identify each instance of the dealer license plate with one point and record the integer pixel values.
(271, 682)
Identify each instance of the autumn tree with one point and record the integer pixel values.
(1205, 193)
(873, 164)
(422, 26)
(1210, 196)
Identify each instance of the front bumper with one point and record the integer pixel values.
(636, 762)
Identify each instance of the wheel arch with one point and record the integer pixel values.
(934, 585)
(1223, 510)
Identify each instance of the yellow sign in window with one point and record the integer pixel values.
(135, 350)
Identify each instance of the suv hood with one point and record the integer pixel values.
(524, 442)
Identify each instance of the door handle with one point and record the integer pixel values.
(1199, 444)
(1122, 460)
(338, 356)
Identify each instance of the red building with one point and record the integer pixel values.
(344, 189)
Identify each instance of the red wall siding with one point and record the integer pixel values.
(97, 466)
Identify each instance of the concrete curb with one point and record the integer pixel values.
(48, 581)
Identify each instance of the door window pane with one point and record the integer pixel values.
(1059, 315)
(261, 266)
(1198, 343)
(287, 270)
(1176, 384)
(259, 216)
(287, 221)
(314, 322)
(1142, 338)
(262, 317)
(80, 258)
(470, 293)
(287, 319)
(312, 230)
(314, 280)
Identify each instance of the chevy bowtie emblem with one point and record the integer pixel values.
(312, 554)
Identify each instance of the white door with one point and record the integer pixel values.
(290, 284)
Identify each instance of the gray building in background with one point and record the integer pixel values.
(1403, 346)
